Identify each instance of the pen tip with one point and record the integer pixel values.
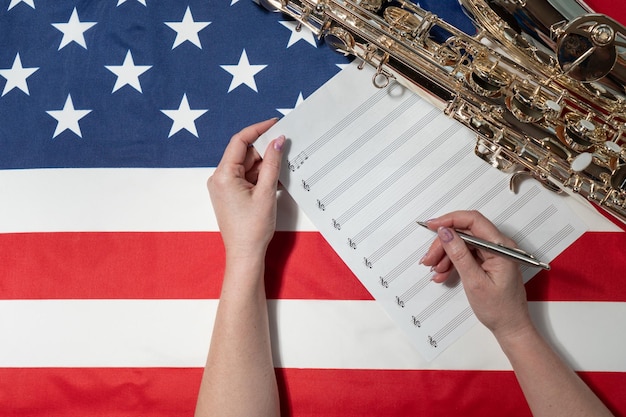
(423, 224)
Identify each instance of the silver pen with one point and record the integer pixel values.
(511, 253)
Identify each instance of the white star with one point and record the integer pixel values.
(73, 31)
(16, 76)
(233, 2)
(184, 118)
(128, 73)
(304, 34)
(243, 73)
(124, 1)
(343, 66)
(285, 112)
(68, 118)
(187, 30)
(14, 3)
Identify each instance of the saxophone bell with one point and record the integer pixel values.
(586, 48)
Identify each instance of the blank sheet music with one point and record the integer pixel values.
(365, 164)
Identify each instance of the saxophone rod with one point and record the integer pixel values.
(513, 254)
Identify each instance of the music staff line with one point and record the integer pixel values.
(371, 133)
(377, 159)
(411, 195)
(403, 299)
(391, 179)
(347, 198)
(467, 312)
(426, 214)
(452, 325)
(336, 129)
(416, 255)
(534, 224)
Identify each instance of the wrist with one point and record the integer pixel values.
(252, 252)
(510, 338)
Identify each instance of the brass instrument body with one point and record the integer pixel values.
(536, 111)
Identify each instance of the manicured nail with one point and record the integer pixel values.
(423, 258)
(279, 142)
(445, 234)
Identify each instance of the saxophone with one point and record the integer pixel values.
(541, 84)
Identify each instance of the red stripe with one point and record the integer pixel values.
(300, 266)
(589, 270)
(615, 9)
(162, 266)
(158, 392)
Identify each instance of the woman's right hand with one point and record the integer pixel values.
(493, 284)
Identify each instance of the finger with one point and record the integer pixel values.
(252, 158)
(434, 254)
(474, 222)
(442, 270)
(237, 148)
(270, 168)
(459, 254)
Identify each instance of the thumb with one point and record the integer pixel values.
(459, 254)
(270, 167)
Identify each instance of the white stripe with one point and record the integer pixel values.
(307, 334)
(137, 199)
(77, 200)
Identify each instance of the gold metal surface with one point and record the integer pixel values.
(541, 83)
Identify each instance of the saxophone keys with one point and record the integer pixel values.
(618, 180)
(525, 106)
(488, 81)
(339, 40)
(579, 133)
(581, 162)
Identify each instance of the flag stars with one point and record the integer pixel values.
(304, 34)
(14, 3)
(68, 118)
(243, 73)
(74, 30)
(124, 1)
(16, 76)
(187, 30)
(184, 118)
(128, 73)
(285, 112)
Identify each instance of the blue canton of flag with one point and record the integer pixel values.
(145, 83)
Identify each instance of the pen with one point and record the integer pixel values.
(511, 253)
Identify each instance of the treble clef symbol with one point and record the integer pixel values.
(367, 263)
(399, 302)
(384, 282)
(291, 166)
(351, 243)
(306, 186)
(336, 224)
(321, 205)
(432, 341)
(416, 322)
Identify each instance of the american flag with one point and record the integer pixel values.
(112, 115)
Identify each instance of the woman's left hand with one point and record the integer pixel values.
(243, 192)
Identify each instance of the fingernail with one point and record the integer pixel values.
(423, 258)
(279, 142)
(445, 234)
